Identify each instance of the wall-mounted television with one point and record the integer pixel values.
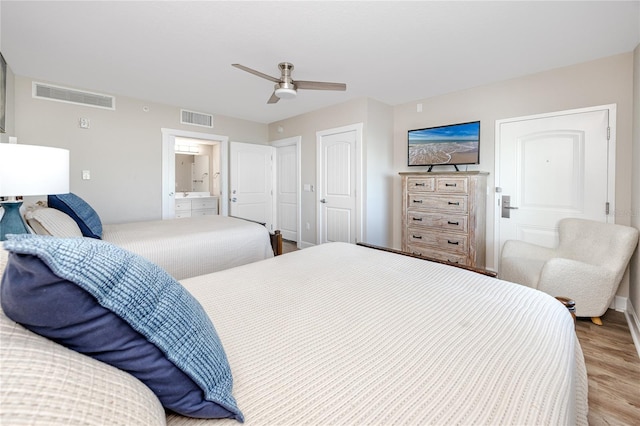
(453, 145)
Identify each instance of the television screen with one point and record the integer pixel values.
(453, 144)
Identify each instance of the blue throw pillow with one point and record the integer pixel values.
(117, 307)
(80, 211)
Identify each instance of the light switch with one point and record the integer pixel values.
(86, 175)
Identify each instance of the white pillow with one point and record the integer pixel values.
(48, 221)
(44, 383)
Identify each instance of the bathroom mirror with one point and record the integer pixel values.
(197, 166)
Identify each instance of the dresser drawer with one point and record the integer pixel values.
(453, 242)
(207, 203)
(183, 205)
(421, 184)
(450, 203)
(184, 213)
(458, 185)
(203, 212)
(459, 259)
(419, 218)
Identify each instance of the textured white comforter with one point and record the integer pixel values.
(193, 246)
(340, 334)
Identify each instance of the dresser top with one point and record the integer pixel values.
(471, 173)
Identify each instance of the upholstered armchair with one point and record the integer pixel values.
(586, 266)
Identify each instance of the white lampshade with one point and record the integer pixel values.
(33, 170)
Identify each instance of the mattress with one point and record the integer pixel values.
(340, 334)
(193, 246)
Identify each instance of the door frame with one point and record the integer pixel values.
(358, 128)
(611, 163)
(297, 141)
(169, 172)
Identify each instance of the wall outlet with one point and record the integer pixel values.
(86, 175)
(308, 226)
(84, 123)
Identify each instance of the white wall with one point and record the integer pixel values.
(122, 148)
(634, 273)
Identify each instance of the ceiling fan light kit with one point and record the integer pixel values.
(286, 87)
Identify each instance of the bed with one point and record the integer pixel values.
(341, 334)
(349, 335)
(184, 247)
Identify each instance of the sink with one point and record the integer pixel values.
(192, 194)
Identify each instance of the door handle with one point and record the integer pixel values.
(323, 200)
(507, 207)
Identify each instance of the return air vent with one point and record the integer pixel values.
(196, 118)
(73, 96)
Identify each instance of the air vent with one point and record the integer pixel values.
(73, 96)
(196, 118)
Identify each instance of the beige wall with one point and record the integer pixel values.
(122, 148)
(605, 81)
(634, 273)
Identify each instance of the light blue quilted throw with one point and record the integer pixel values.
(146, 297)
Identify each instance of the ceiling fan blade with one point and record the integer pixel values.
(319, 85)
(258, 73)
(273, 99)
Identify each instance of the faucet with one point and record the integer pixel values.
(186, 194)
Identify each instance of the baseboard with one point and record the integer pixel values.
(305, 244)
(634, 325)
(619, 304)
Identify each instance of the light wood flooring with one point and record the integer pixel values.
(613, 367)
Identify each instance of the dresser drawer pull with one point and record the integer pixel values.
(451, 203)
(453, 223)
(417, 237)
(451, 184)
(455, 243)
(419, 184)
(417, 201)
(417, 219)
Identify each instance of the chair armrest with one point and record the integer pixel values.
(592, 287)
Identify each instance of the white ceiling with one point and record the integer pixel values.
(180, 53)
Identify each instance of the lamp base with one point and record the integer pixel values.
(12, 222)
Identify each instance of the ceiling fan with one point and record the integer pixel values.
(286, 87)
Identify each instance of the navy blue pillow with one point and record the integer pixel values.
(117, 307)
(85, 216)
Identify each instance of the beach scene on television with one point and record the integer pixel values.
(454, 144)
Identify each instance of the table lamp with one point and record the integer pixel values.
(29, 170)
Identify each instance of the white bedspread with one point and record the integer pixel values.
(194, 246)
(342, 335)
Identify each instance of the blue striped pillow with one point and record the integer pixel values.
(85, 216)
(116, 306)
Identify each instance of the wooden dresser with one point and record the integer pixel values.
(444, 216)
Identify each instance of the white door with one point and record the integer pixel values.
(287, 191)
(251, 179)
(338, 185)
(550, 167)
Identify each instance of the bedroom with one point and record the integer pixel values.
(134, 181)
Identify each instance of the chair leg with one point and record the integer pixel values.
(596, 320)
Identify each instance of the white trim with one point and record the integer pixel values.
(634, 325)
(358, 128)
(611, 160)
(297, 141)
(168, 168)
